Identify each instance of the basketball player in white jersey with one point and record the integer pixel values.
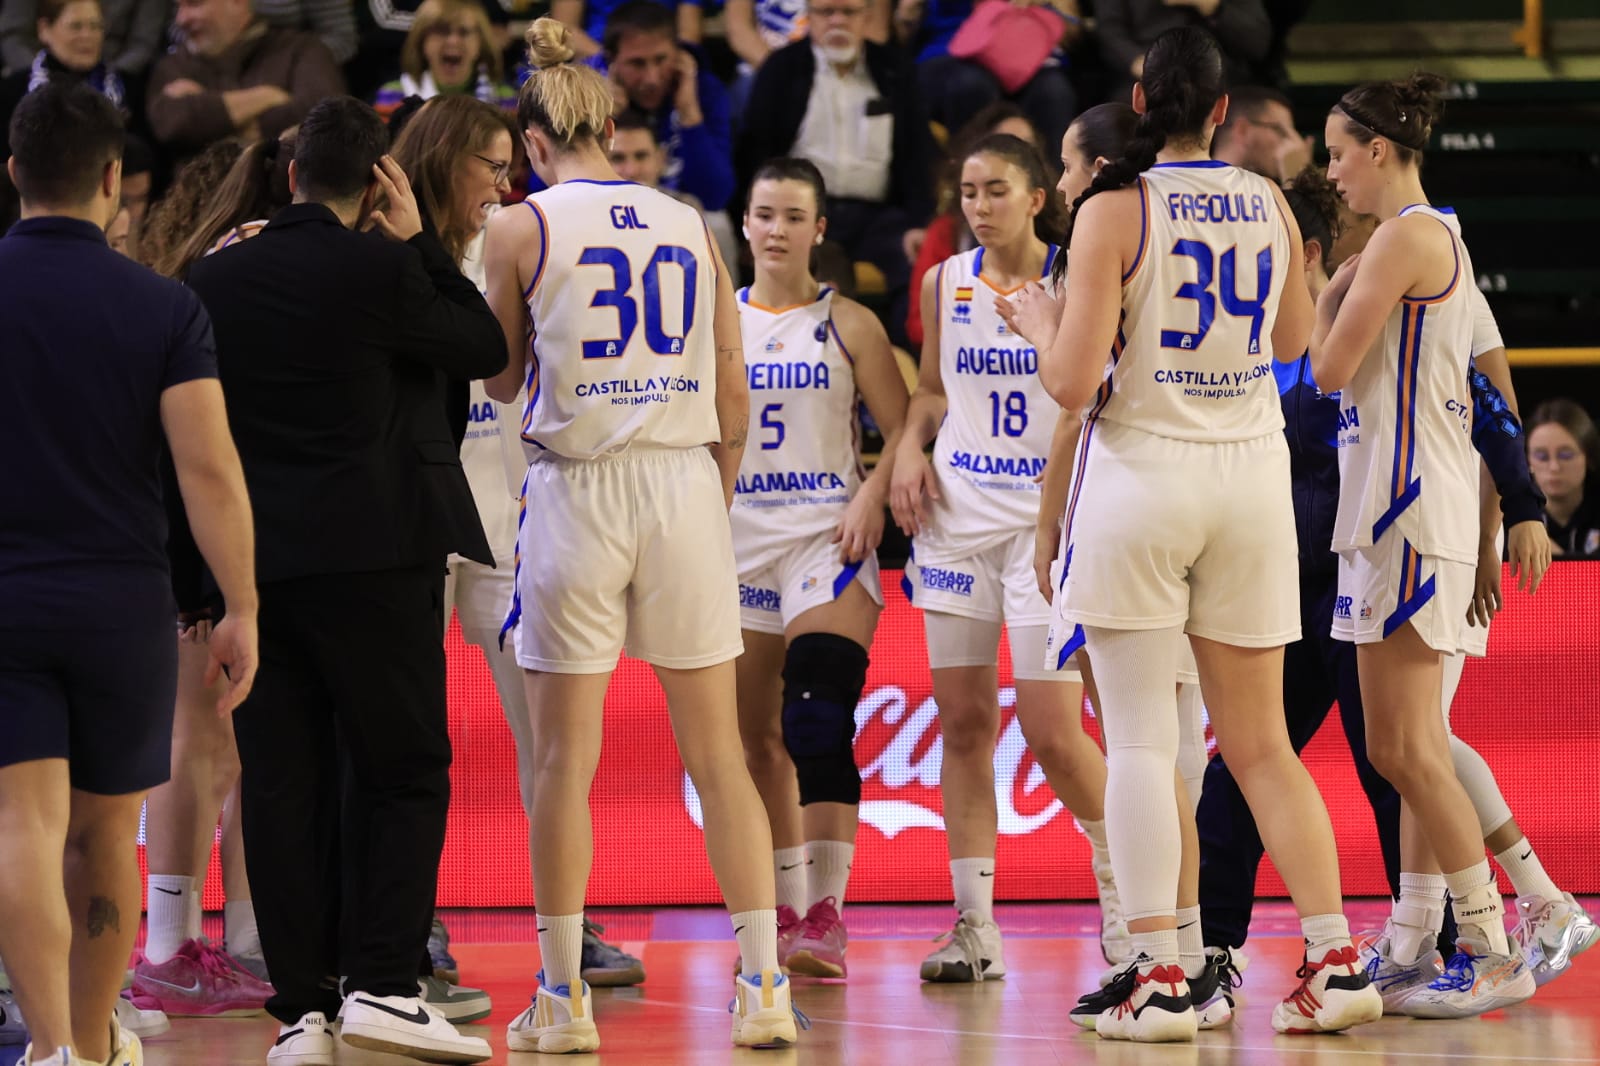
(637, 413)
(1094, 138)
(806, 527)
(973, 513)
(1185, 275)
(1393, 333)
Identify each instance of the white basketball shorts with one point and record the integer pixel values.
(806, 574)
(1384, 587)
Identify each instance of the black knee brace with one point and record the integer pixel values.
(823, 676)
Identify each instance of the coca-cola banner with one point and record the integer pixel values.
(1532, 708)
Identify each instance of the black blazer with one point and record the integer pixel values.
(333, 348)
(778, 103)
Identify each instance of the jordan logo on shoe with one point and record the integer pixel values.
(418, 1017)
(290, 1035)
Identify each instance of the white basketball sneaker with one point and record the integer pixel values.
(308, 1042)
(405, 1025)
(1334, 994)
(970, 952)
(1551, 933)
(1155, 1008)
(1477, 980)
(556, 1022)
(763, 1013)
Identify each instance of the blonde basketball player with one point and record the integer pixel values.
(973, 513)
(1185, 275)
(806, 528)
(637, 414)
(1394, 333)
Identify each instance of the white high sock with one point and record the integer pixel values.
(1527, 872)
(1192, 754)
(1324, 933)
(1480, 913)
(830, 870)
(973, 881)
(240, 935)
(1135, 669)
(1417, 917)
(169, 903)
(789, 873)
(1191, 942)
(1161, 946)
(757, 934)
(561, 949)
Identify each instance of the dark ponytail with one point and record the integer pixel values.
(1050, 224)
(256, 186)
(1402, 112)
(1182, 81)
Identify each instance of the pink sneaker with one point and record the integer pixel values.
(819, 950)
(200, 981)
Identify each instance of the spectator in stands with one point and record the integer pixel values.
(132, 29)
(72, 37)
(449, 51)
(171, 219)
(957, 89)
(1259, 135)
(948, 234)
(383, 26)
(332, 21)
(851, 107)
(1564, 455)
(589, 20)
(234, 76)
(638, 156)
(1125, 28)
(757, 28)
(665, 80)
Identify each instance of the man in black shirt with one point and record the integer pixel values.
(334, 346)
(88, 637)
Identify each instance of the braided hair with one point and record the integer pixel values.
(1182, 80)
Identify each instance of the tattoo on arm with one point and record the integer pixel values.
(103, 917)
(741, 431)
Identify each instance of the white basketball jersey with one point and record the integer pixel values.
(996, 434)
(802, 463)
(1406, 462)
(1193, 356)
(622, 306)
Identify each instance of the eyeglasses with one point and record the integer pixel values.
(501, 171)
(1560, 455)
(823, 14)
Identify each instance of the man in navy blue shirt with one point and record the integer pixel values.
(88, 637)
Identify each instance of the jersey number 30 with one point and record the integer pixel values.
(620, 297)
(1199, 290)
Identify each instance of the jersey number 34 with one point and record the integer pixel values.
(620, 298)
(1200, 291)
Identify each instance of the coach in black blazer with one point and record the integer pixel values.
(334, 347)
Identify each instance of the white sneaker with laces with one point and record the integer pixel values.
(971, 952)
(555, 1023)
(763, 1012)
(308, 1042)
(405, 1025)
(1475, 981)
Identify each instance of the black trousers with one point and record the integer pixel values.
(1317, 670)
(346, 782)
(875, 233)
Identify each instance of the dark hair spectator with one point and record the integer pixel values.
(1259, 135)
(638, 155)
(63, 140)
(589, 21)
(254, 189)
(1564, 456)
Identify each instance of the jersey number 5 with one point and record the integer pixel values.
(620, 297)
(1199, 290)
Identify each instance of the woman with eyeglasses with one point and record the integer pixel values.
(450, 51)
(1564, 455)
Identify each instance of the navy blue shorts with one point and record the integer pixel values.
(101, 699)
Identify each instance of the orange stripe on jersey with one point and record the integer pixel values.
(998, 289)
(1455, 279)
(1144, 232)
(544, 250)
(1404, 416)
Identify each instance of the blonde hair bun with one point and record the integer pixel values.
(547, 43)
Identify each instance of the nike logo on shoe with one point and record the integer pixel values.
(290, 1035)
(419, 1017)
(190, 989)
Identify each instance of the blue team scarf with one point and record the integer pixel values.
(102, 79)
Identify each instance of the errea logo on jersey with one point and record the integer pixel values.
(961, 313)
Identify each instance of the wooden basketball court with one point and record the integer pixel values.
(885, 1015)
